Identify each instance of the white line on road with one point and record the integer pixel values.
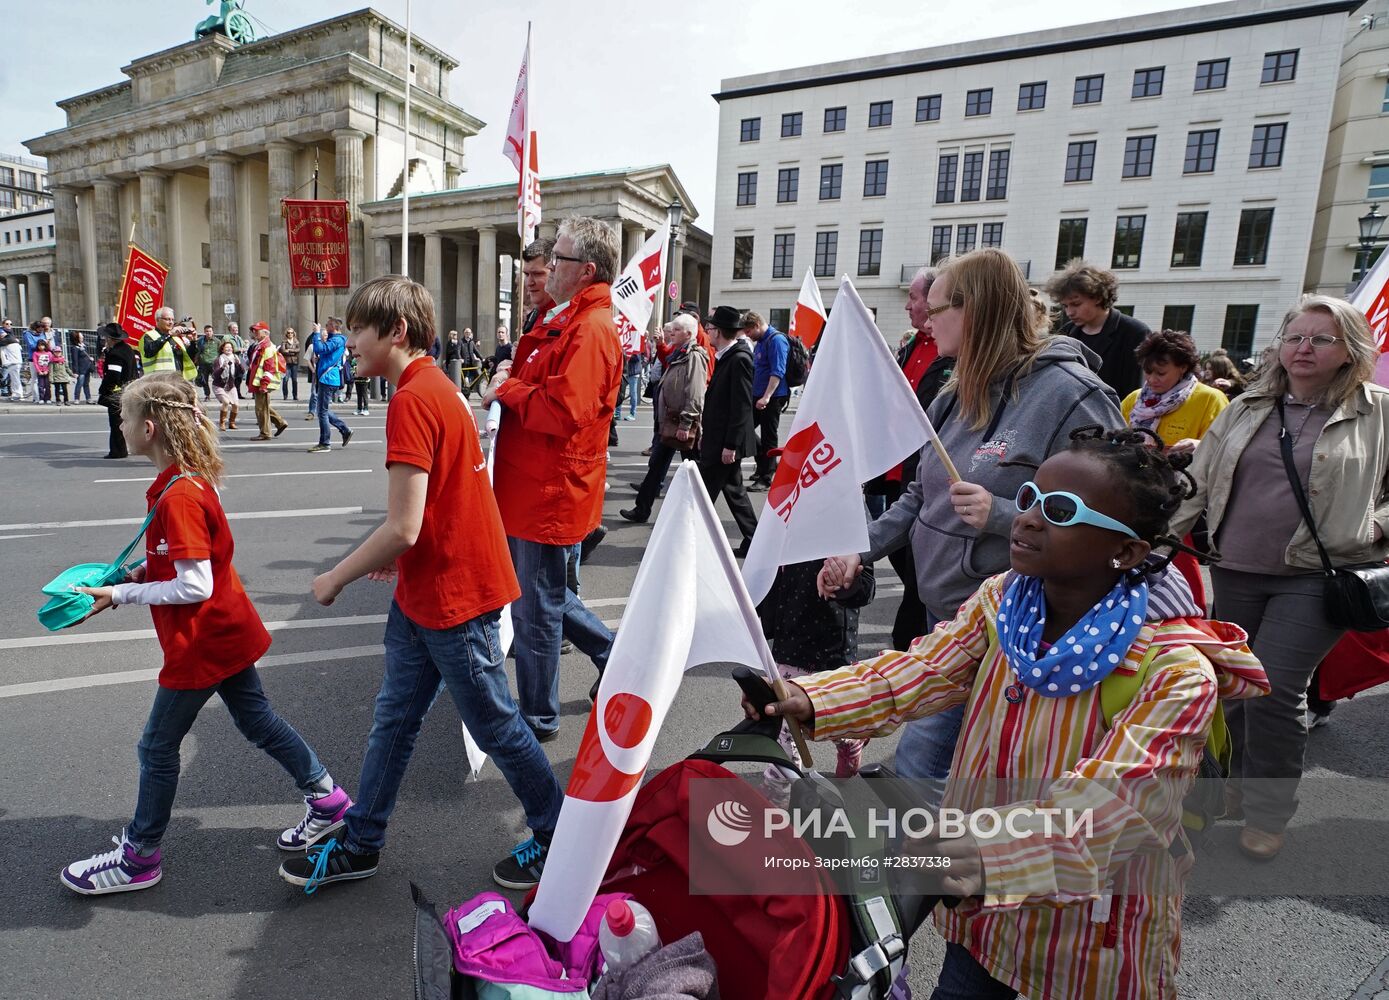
(77, 638)
(286, 444)
(104, 430)
(41, 534)
(256, 475)
(248, 515)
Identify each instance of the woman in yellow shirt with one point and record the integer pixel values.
(1172, 402)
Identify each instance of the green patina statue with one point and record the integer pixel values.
(232, 22)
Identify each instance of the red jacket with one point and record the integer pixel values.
(552, 449)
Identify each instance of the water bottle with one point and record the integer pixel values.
(627, 933)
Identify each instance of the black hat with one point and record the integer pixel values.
(726, 318)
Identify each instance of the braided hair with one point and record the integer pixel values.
(171, 403)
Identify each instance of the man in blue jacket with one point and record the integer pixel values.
(329, 349)
(770, 392)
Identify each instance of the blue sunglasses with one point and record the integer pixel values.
(1066, 509)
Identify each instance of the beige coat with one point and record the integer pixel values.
(1348, 486)
(682, 392)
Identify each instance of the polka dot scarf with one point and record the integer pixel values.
(1089, 650)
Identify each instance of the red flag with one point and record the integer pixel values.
(142, 292)
(808, 319)
(318, 249)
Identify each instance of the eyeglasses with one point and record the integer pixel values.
(1320, 340)
(559, 256)
(932, 313)
(1066, 509)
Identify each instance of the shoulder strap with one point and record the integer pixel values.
(125, 554)
(1117, 690)
(1286, 444)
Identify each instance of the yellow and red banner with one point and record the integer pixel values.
(142, 292)
(318, 250)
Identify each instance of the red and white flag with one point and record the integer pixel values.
(1372, 299)
(635, 290)
(808, 318)
(858, 417)
(688, 607)
(520, 149)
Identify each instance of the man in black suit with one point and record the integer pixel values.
(728, 421)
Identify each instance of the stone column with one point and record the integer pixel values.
(226, 278)
(467, 293)
(70, 307)
(154, 214)
(281, 185)
(486, 304)
(632, 237)
(351, 186)
(453, 173)
(12, 311)
(434, 277)
(106, 214)
(38, 294)
(380, 256)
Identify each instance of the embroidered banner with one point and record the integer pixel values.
(142, 292)
(318, 252)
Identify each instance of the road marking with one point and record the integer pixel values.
(256, 475)
(286, 444)
(77, 638)
(41, 534)
(136, 676)
(50, 433)
(248, 515)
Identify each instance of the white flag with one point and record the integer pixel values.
(518, 128)
(1372, 299)
(688, 606)
(635, 290)
(858, 417)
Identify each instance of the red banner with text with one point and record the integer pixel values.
(142, 292)
(318, 253)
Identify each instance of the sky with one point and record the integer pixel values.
(614, 84)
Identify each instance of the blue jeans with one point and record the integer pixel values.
(313, 395)
(468, 660)
(170, 720)
(633, 392)
(925, 750)
(291, 380)
(963, 978)
(546, 612)
(84, 387)
(326, 415)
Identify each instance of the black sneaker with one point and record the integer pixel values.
(591, 542)
(759, 486)
(327, 862)
(522, 868)
(346, 437)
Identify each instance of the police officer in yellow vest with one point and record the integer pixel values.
(166, 348)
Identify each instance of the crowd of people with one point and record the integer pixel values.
(1100, 463)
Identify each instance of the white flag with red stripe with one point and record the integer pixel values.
(518, 126)
(520, 148)
(1372, 299)
(688, 607)
(635, 290)
(808, 318)
(858, 417)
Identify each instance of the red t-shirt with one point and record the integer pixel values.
(459, 567)
(207, 642)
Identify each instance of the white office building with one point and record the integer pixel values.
(1182, 149)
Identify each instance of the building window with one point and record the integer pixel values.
(7, 173)
(1238, 335)
(972, 176)
(1148, 82)
(831, 180)
(264, 248)
(742, 257)
(6, 200)
(928, 108)
(1032, 96)
(50, 236)
(1211, 74)
(1251, 243)
(1188, 240)
(875, 178)
(1384, 108)
(1379, 182)
(870, 251)
(7, 238)
(991, 234)
(1200, 151)
(747, 188)
(835, 119)
(1080, 161)
(879, 114)
(783, 254)
(945, 177)
(979, 102)
(826, 253)
(965, 236)
(940, 244)
(1267, 148)
(1279, 67)
(1363, 266)
(791, 124)
(28, 236)
(998, 175)
(1138, 155)
(1178, 317)
(788, 185)
(1070, 241)
(1089, 89)
(28, 181)
(27, 199)
(1128, 241)
(751, 130)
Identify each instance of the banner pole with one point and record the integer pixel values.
(315, 196)
(405, 175)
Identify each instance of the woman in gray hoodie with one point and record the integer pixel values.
(1015, 396)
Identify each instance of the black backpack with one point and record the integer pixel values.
(797, 362)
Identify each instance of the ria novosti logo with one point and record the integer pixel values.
(730, 823)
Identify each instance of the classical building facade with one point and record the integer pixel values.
(1184, 149)
(26, 264)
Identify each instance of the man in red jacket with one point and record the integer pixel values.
(551, 461)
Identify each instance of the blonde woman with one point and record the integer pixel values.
(1315, 389)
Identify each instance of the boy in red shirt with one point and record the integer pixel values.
(442, 542)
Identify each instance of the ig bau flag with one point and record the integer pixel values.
(857, 418)
(688, 606)
(808, 319)
(635, 290)
(1372, 299)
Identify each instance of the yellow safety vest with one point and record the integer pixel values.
(164, 360)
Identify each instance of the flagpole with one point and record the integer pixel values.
(405, 181)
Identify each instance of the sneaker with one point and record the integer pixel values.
(759, 486)
(635, 514)
(119, 870)
(591, 542)
(1315, 720)
(565, 647)
(310, 416)
(522, 868)
(366, 413)
(327, 862)
(320, 447)
(281, 429)
(346, 437)
(322, 818)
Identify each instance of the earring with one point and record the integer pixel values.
(1114, 563)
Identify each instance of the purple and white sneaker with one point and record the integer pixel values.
(119, 870)
(322, 818)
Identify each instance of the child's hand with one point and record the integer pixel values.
(797, 706)
(836, 574)
(104, 598)
(386, 574)
(964, 876)
(325, 589)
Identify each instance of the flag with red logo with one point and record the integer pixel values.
(519, 147)
(142, 292)
(688, 607)
(858, 417)
(1372, 299)
(808, 318)
(635, 290)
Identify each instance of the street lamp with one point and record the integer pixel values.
(676, 211)
(1370, 224)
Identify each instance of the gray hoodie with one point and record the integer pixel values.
(1059, 394)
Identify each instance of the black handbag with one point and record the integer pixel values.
(1355, 597)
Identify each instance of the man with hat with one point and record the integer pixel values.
(728, 420)
(262, 378)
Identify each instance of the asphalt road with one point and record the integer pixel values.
(222, 925)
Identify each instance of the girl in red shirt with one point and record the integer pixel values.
(208, 630)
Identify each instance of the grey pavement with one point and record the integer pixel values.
(222, 925)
